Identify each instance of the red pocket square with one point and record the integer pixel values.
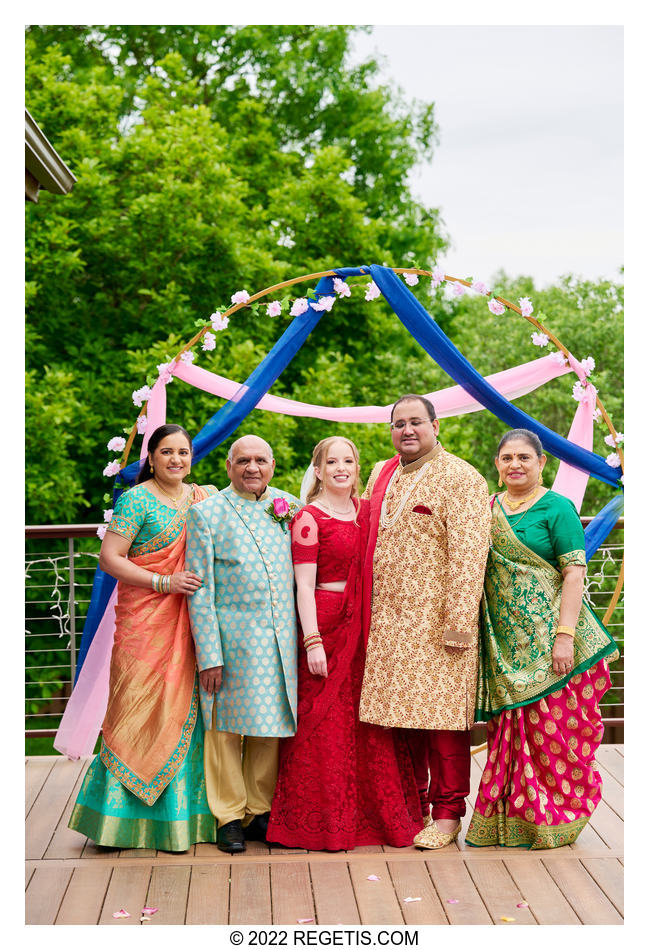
(422, 510)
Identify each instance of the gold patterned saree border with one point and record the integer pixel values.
(151, 791)
(514, 832)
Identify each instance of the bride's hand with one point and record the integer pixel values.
(317, 661)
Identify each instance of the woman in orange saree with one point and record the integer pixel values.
(146, 788)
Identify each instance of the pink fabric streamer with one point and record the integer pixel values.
(453, 401)
(570, 481)
(156, 413)
(86, 706)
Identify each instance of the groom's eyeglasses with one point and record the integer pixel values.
(402, 423)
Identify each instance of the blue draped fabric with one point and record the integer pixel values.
(602, 524)
(427, 333)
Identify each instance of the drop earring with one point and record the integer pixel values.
(500, 481)
(541, 477)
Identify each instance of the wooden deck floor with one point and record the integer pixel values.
(71, 881)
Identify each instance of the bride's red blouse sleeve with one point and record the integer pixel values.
(304, 538)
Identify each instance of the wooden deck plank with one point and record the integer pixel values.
(208, 848)
(168, 892)
(67, 843)
(608, 826)
(126, 891)
(46, 811)
(453, 882)
(250, 894)
(411, 879)
(499, 892)
(613, 794)
(545, 900)
(609, 875)
(70, 880)
(376, 900)
(92, 850)
(580, 890)
(609, 757)
(85, 895)
(257, 847)
(209, 894)
(44, 894)
(589, 842)
(335, 902)
(37, 769)
(290, 886)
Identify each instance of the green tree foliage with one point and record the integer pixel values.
(215, 158)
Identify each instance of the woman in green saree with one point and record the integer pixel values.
(543, 667)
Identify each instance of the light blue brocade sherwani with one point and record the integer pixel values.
(243, 616)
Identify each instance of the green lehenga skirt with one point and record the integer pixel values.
(112, 816)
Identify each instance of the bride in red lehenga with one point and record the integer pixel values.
(342, 782)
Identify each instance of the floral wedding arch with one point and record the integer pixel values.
(473, 392)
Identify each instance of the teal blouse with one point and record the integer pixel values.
(139, 517)
(552, 529)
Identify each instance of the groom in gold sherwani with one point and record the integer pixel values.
(429, 538)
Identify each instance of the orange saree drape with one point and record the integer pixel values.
(153, 701)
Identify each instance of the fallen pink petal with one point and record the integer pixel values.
(373, 877)
(452, 900)
(523, 904)
(149, 910)
(305, 920)
(121, 913)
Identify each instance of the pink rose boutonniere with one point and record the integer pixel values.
(281, 511)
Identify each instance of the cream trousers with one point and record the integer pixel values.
(240, 776)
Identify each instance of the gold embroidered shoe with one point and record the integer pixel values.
(432, 838)
(428, 820)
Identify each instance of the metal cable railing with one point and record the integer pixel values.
(60, 565)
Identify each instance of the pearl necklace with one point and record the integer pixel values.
(331, 508)
(388, 520)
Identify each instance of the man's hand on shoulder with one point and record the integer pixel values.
(211, 679)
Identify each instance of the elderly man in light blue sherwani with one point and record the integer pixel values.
(244, 627)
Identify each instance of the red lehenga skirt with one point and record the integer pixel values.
(342, 782)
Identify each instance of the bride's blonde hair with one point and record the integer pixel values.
(320, 454)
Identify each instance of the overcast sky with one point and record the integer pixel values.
(528, 174)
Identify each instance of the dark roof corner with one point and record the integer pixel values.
(44, 167)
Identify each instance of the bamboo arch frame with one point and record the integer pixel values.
(398, 270)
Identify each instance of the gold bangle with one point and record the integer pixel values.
(569, 631)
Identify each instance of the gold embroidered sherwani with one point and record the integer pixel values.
(428, 572)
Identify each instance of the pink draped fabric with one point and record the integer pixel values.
(453, 401)
(156, 413)
(570, 481)
(86, 707)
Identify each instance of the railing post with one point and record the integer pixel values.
(72, 614)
